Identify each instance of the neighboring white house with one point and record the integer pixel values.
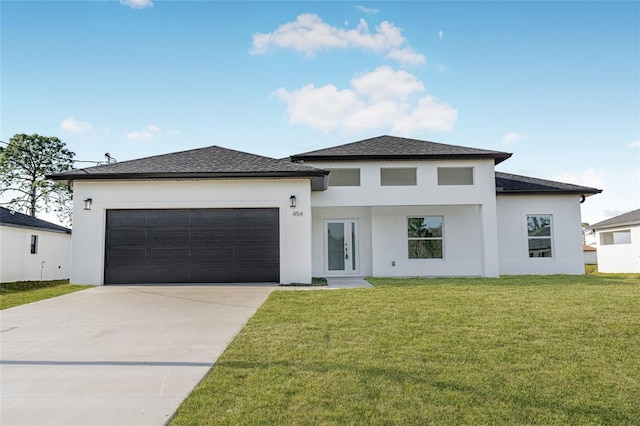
(384, 206)
(32, 249)
(618, 243)
(590, 254)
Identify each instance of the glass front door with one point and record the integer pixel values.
(341, 246)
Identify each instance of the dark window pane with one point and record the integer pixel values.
(335, 241)
(34, 244)
(539, 226)
(424, 227)
(425, 249)
(539, 247)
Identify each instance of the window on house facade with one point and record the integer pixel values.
(34, 244)
(344, 177)
(539, 235)
(424, 236)
(615, 237)
(455, 175)
(398, 176)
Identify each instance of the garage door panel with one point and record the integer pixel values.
(196, 245)
(169, 275)
(255, 215)
(128, 256)
(173, 255)
(171, 237)
(128, 236)
(169, 218)
(206, 237)
(208, 218)
(205, 274)
(252, 255)
(214, 255)
(127, 218)
(255, 274)
(255, 235)
(127, 275)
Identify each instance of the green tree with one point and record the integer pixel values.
(24, 163)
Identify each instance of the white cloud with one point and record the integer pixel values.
(322, 108)
(378, 99)
(150, 132)
(634, 144)
(440, 34)
(308, 34)
(589, 177)
(137, 4)
(407, 55)
(367, 10)
(385, 83)
(513, 137)
(430, 114)
(72, 125)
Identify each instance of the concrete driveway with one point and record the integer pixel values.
(116, 355)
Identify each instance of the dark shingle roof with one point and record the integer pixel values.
(9, 217)
(396, 148)
(507, 183)
(630, 218)
(210, 162)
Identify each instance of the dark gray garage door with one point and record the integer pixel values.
(192, 246)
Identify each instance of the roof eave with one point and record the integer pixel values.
(497, 158)
(586, 193)
(614, 225)
(39, 228)
(172, 176)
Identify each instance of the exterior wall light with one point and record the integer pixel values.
(87, 204)
(292, 201)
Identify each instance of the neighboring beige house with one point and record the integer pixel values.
(32, 249)
(385, 206)
(590, 254)
(618, 243)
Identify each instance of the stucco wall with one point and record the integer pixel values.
(426, 192)
(462, 241)
(87, 260)
(567, 256)
(17, 262)
(619, 257)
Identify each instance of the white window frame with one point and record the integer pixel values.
(407, 238)
(550, 237)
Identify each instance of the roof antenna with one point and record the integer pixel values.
(109, 158)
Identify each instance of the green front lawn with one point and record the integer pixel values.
(22, 292)
(515, 350)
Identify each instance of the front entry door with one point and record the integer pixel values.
(341, 243)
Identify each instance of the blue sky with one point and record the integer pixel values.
(555, 83)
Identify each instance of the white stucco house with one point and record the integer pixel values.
(32, 249)
(385, 206)
(618, 243)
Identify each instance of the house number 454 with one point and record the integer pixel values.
(297, 213)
